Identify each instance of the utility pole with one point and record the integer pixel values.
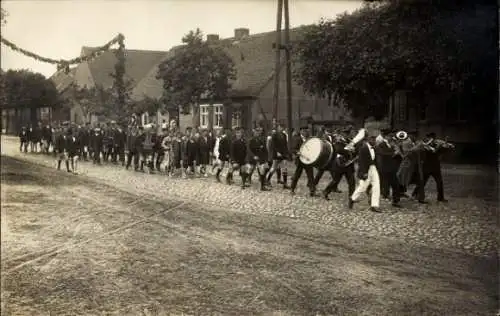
(278, 59)
(288, 71)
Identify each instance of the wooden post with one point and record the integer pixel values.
(278, 59)
(288, 69)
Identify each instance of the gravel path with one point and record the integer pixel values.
(466, 224)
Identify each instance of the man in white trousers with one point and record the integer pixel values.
(367, 174)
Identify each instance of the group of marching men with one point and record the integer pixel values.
(387, 161)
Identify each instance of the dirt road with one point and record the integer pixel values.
(75, 246)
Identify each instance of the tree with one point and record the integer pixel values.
(26, 89)
(196, 71)
(93, 101)
(389, 45)
(101, 101)
(23, 89)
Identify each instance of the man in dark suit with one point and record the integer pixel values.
(203, 152)
(238, 154)
(298, 141)
(367, 173)
(388, 160)
(343, 165)
(259, 156)
(330, 167)
(96, 140)
(61, 148)
(72, 149)
(279, 154)
(432, 166)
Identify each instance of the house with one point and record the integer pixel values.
(251, 95)
(97, 73)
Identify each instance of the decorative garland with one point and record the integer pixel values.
(119, 74)
(64, 64)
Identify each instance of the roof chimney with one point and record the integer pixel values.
(241, 33)
(211, 38)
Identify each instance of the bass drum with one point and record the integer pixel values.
(316, 152)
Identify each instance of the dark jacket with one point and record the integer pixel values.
(192, 149)
(386, 161)
(238, 152)
(23, 135)
(61, 143)
(47, 133)
(97, 140)
(297, 143)
(279, 144)
(203, 150)
(72, 144)
(258, 148)
(224, 148)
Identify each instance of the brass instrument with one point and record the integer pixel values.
(393, 142)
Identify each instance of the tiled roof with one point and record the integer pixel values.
(149, 85)
(137, 65)
(62, 80)
(254, 59)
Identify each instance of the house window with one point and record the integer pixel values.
(204, 116)
(218, 116)
(236, 119)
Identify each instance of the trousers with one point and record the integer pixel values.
(372, 180)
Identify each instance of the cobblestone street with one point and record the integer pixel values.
(74, 245)
(466, 224)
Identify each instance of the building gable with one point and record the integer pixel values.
(137, 65)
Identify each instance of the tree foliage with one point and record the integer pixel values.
(389, 45)
(26, 89)
(102, 102)
(196, 71)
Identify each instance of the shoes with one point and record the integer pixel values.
(350, 204)
(396, 205)
(443, 200)
(375, 209)
(325, 195)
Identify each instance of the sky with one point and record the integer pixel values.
(58, 29)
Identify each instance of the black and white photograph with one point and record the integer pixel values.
(249, 157)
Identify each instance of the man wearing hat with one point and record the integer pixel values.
(72, 149)
(238, 154)
(327, 136)
(432, 165)
(388, 162)
(60, 147)
(23, 139)
(367, 173)
(203, 152)
(96, 140)
(411, 168)
(300, 166)
(278, 148)
(258, 156)
(343, 165)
